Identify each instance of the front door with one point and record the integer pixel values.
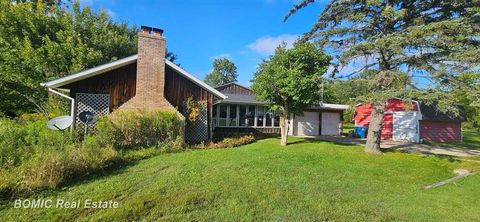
(405, 126)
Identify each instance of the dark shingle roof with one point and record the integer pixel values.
(431, 112)
(242, 99)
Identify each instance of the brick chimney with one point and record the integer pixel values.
(150, 72)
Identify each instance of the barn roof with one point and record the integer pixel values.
(431, 113)
(58, 83)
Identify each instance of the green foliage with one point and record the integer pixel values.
(41, 42)
(291, 78)
(308, 181)
(33, 157)
(136, 129)
(413, 49)
(224, 71)
(194, 108)
(227, 143)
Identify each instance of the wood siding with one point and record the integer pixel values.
(233, 88)
(178, 89)
(441, 131)
(118, 83)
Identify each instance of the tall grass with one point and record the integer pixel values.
(33, 157)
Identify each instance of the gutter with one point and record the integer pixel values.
(72, 103)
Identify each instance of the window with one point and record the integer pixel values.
(260, 116)
(276, 120)
(268, 119)
(222, 119)
(251, 116)
(214, 116)
(232, 121)
(242, 115)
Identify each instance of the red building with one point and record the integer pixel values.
(414, 122)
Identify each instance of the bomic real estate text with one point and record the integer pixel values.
(61, 203)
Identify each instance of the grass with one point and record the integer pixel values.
(471, 140)
(308, 180)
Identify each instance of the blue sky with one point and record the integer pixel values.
(199, 31)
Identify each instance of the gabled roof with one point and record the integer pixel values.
(58, 83)
(242, 99)
(221, 87)
(431, 113)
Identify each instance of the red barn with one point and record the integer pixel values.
(414, 122)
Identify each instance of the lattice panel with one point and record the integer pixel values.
(98, 104)
(197, 131)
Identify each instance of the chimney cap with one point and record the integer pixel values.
(151, 29)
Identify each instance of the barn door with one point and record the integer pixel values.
(405, 126)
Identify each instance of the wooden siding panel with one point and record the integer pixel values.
(234, 88)
(441, 131)
(118, 83)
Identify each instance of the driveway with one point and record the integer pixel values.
(405, 147)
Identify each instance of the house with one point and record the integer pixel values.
(148, 81)
(241, 113)
(142, 81)
(414, 122)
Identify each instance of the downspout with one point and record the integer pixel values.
(72, 104)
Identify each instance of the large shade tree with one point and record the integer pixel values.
(419, 49)
(44, 40)
(224, 71)
(289, 80)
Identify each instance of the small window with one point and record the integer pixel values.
(222, 119)
(276, 120)
(233, 116)
(251, 116)
(242, 115)
(268, 119)
(214, 116)
(260, 116)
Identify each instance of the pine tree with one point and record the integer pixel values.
(435, 42)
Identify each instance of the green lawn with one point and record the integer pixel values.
(263, 181)
(471, 140)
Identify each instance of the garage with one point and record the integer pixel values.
(308, 124)
(325, 119)
(330, 123)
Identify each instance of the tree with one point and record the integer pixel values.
(434, 42)
(289, 81)
(40, 42)
(224, 71)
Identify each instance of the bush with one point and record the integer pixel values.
(133, 129)
(228, 142)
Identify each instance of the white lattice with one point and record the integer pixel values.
(197, 131)
(98, 104)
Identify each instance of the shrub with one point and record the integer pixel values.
(18, 141)
(135, 129)
(228, 142)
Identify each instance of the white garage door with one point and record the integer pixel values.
(405, 126)
(307, 125)
(330, 123)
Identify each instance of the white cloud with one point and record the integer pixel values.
(223, 55)
(110, 13)
(86, 2)
(268, 44)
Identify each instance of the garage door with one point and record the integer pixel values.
(307, 125)
(330, 123)
(405, 126)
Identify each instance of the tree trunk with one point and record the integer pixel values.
(374, 135)
(284, 126)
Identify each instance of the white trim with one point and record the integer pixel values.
(123, 62)
(72, 105)
(90, 72)
(195, 80)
